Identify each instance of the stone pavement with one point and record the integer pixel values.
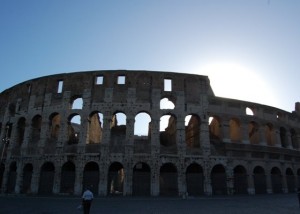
(259, 204)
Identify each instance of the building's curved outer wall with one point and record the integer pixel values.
(236, 153)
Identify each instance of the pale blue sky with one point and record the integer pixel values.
(255, 42)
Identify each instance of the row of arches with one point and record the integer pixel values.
(253, 132)
(223, 182)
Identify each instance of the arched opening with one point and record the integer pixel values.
(95, 128)
(67, 178)
(194, 180)
(91, 177)
(192, 131)
(117, 132)
(253, 133)
(77, 103)
(214, 129)
(54, 121)
(165, 103)
(240, 180)
(46, 178)
(259, 178)
(218, 180)
(168, 184)
(142, 125)
(290, 180)
(276, 179)
(52, 135)
(20, 131)
(35, 130)
(12, 176)
(141, 181)
(249, 111)
(168, 133)
(142, 133)
(115, 179)
(27, 176)
(74, 126)
(234, 131)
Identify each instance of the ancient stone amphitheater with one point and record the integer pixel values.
(144, 133)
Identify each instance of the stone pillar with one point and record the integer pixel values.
(130, 130)
(225, 132)
(277, 138)
(57, 179)
(19, 178)
(269, 183)
(204, 138)
(207, 178)
(35, 180)
(43, 134)
(106, 128)
(230, 180)
(78, 177)
(251, 187)
(289, 140)
(26, 138)
(155, 140)
(245, 133)
(262, 136)
(155, 180)
(180, 137)
(103, 177)
(182, 188)
(128, 180)
(284, 183)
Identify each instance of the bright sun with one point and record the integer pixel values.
(232, 80)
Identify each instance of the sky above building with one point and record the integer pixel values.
(249, 49)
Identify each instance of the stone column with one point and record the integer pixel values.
(128, 180)
(78, 178)
(277, 138)
(35, 180)
(245, 133)
(57, 179)
(182, 189)
(225, 132)
(103, 177)
(155, 180)
(262, 136)
(230, 180)
(269, 183)
(180, 136)
(284, 183)
(207, 178)
(289, 140)
(19, 178)
(251, 187)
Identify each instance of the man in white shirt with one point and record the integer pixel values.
(87, 199)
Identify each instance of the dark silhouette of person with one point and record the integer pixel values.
(87, 199)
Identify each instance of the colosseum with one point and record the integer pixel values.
(142, 133)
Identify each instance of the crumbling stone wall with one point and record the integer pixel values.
(210, 145)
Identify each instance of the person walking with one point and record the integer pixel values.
(87, 199)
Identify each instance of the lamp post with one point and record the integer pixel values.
(5, 141)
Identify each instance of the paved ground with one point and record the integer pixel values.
(261, 204)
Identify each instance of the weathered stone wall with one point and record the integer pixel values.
(50, 145)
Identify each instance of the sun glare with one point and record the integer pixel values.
(234, 81)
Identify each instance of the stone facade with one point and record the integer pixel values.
(64, 132)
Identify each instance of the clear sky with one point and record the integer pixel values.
(250, 49)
